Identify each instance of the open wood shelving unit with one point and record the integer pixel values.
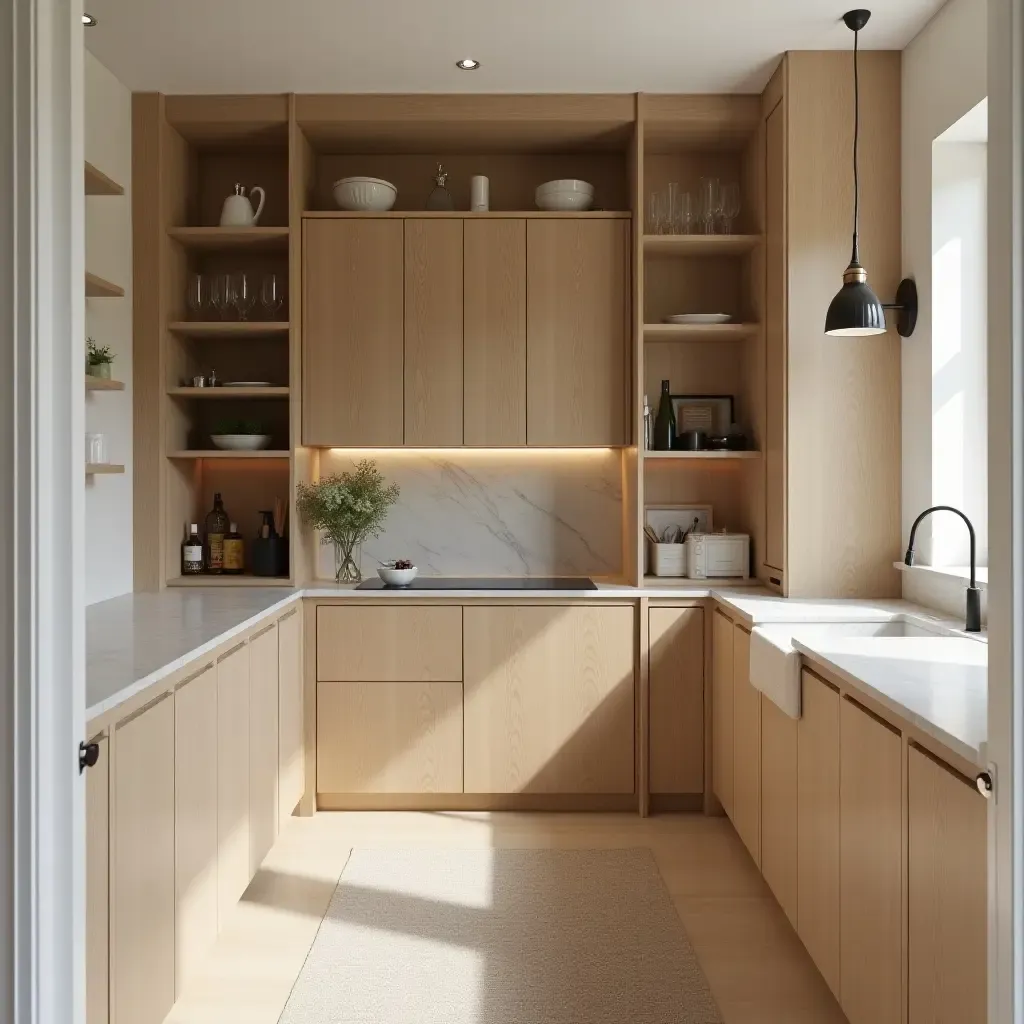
(102, 469)
(102, 384)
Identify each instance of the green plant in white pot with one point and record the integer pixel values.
(98, 359)
(347, 508)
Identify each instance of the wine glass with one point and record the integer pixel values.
(711, 202)
(243, 293)
(271, 294)
(198, 294)
(685, 215)
(672, 207)
(654, 214)
(220, 294)
(730, 205)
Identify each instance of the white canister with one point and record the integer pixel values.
(96, 449)
(479, 193)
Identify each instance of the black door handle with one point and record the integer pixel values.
(88, 755)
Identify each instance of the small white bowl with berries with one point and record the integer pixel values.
(399, 573)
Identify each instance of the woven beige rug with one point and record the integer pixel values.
(501, 937)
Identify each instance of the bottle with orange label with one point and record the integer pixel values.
(216, 528)
(234, 551)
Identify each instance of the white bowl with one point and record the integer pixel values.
(567, 185)
(240, 442)
(372, 194)
(567, 200)
(397, 577)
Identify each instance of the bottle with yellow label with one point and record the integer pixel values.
(216, 527)
(234, 551)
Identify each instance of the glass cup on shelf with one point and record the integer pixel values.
(220, 294)
(654, 214)
(672, 208)
(685, 214)
(96, 449)
(243, 293)
(272, 295)
(711, 203)
(730, 205)
(198, 297)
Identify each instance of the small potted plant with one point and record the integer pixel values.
(98, 359)
(347, 508)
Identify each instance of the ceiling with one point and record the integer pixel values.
(673, 46)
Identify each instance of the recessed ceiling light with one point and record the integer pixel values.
(88, 20)
(467, 64)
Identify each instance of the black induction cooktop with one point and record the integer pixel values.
(481, 583)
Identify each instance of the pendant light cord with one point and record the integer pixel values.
(855, 259)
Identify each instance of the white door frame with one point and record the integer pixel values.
(42, 647)
(1006, 508)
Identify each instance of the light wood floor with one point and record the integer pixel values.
(757, 968)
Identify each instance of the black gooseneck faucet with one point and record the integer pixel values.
(973, 593)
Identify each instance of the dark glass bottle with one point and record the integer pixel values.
(217, 524)
(234, 552)
(664, 422)
(192, 553)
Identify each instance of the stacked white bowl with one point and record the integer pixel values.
(565, 194)
(374, 194)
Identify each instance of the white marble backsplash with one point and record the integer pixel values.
(516, 513)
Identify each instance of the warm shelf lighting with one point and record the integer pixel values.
(372, 453)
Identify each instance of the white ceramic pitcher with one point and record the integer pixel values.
(238, 212)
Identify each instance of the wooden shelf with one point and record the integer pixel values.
(99, 184)
(256, 239)
(700, 245)
(230, 328)
(657, 333)
(686, 581)
(217, 453)
(102, 468)
(702, 455)
(97, 288)
(469, 214)
(203, 580)
(226, 392)
(102, 384)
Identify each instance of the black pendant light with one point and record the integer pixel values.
(856, 311)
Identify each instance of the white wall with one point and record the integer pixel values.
(108, 252)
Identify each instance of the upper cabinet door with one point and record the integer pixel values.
(495, 332)
(433, 332)
(353, 332)
(577, 311)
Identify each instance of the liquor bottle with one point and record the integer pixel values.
(192, 552)
(217, 523)
(665, 422)
(234, 552)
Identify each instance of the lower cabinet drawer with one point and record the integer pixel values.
(380, 737)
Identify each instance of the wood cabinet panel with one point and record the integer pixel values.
(232, 779)
(389, 737)
(746, 800)
(353, 332)
(870, 877)
(421, 643)
(195, 824)
(142, 867)
(722, 710)
(494, 403)
(97, 888)
(577, 311)
(947, 895)
(779, 806)
(818, 827)
(433, 332)
(263, 745)
(291, 745)
(676, 647)
(549, 699)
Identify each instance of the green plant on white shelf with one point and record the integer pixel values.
(98, 359)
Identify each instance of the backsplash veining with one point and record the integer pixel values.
(480, 514)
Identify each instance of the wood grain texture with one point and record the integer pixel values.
(142, 867)
(99, 184)
(195, 825)
(746, 800)
(353, 332)
(291, 747)
(779, 831)
(389, 737)
(577, 325)
(871, 879)
(673, 121)
(232, 779)
(264, 754)
(722, 710)
(549, 699)
(97, 887)
(818, 826)
(494, 382)
(433, 332)
(421, 643)
(947, 895)
(676, 644)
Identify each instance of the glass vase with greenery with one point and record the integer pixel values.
(347, 508)
(98, 359)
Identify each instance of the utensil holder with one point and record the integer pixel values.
(269, 556)
(667, 559)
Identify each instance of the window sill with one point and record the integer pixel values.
(949, 572)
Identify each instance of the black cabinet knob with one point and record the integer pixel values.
(88, 755)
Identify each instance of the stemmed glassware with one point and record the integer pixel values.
(243, 293)
(711, 203)
(271, 295)
(198, 295)
(730, 205)
(220, 294)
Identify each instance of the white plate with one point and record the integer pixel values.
(247, 384)
(698, 318)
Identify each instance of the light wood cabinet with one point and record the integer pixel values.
(947, 894)
(577, 311)
(195, 824)
(389, 737)
(142, 867)
(549, 699)
(746, 800)
(779, 806)
(494, 403)
(676, 650)
(263, 745)
(291, 723)
(871, 887)
(97, 887)
(232, 779)
(433, 332)
(353, 332)
(722, 710)
(818, 826)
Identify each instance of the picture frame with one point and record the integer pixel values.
(662, 517)
(712, 414)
